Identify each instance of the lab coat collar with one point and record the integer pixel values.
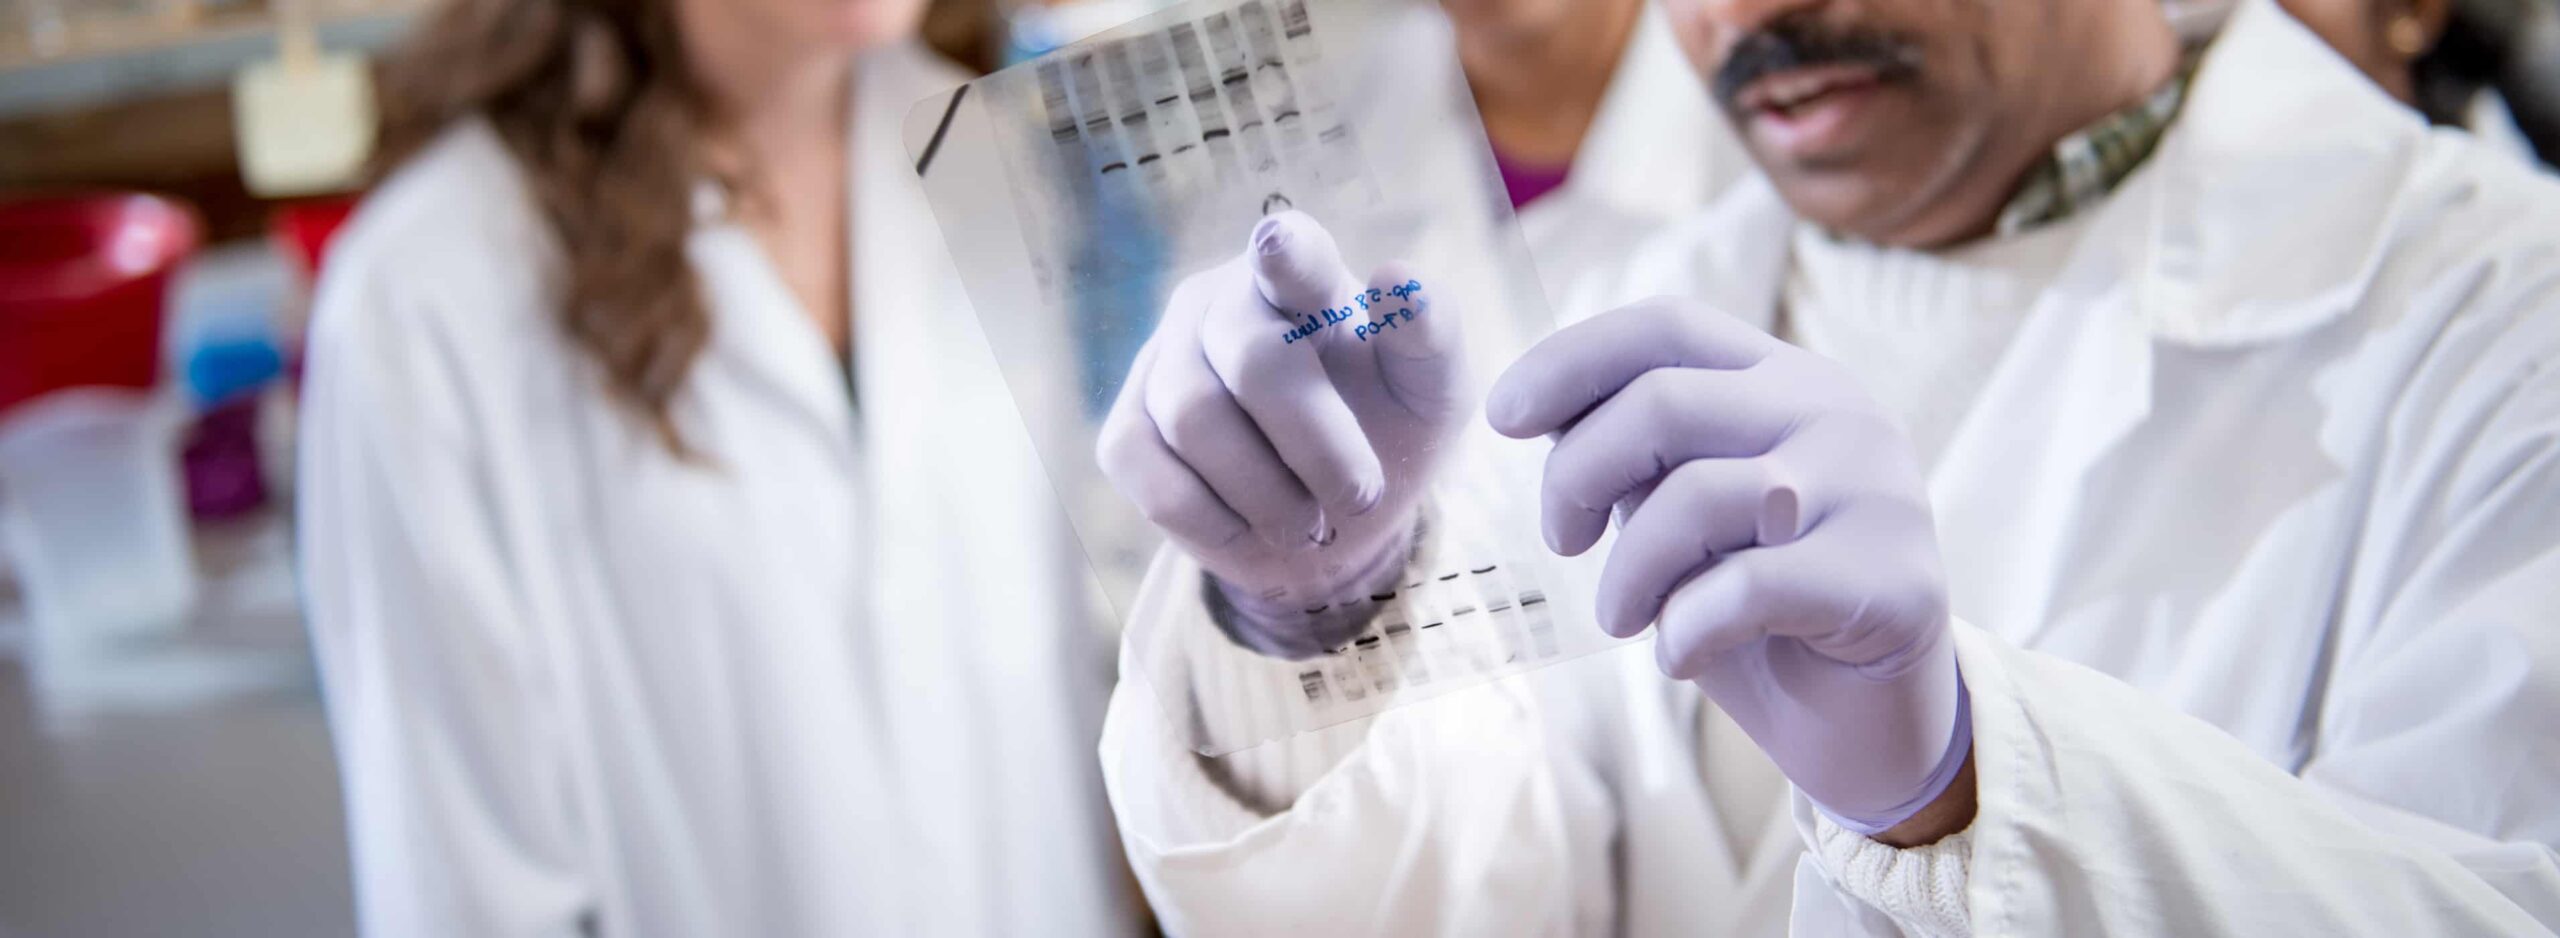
(759, 323)
(902, 274)
(893, 235)
(759, 335)
(2272, 195)
(2259, 217)
(1653, 144)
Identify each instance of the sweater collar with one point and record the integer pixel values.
(2085, 166)
(2253, 234)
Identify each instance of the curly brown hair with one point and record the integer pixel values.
(594, 100)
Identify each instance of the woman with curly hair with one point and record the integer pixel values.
(676, 561)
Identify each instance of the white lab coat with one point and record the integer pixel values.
(2255, 539)
(835, 679)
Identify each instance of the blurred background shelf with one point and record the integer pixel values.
(58, 55)
(62, 55)
(130, 95)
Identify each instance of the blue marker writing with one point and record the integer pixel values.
(1363, 302)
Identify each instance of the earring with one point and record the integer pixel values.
(2406, 35)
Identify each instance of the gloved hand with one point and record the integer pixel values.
(1773, 520)
(1282, 425)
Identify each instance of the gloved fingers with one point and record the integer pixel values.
(1133, 455)
(1661, 419)
(1858, 589)
(1200, 421)
(1634, 502)
(1282, 385)
(1380, 336)
(1586, 363)
(1882, 552)
(1742, 598)
(1297, 267)
(1410, 344)
(1703, 510)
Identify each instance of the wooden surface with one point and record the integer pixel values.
(179, 145)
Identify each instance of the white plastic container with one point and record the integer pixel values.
(95, 524)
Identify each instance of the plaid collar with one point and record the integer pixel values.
(2085, 166)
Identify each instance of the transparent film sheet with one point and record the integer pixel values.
(1076, 191)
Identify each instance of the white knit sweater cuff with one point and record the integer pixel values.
(1922, 888)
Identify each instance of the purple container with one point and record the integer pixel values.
(224, 479)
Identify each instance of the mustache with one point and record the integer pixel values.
(1802, 43)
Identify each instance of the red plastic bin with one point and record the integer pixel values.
(84, 283)
(303, 230)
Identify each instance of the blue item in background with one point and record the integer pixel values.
(226, 347)
(222, 371)
(1119, 311)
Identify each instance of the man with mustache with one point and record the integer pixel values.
(2148, 524)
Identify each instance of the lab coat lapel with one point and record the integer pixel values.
(2073, 383)
(759, 326)
(898, 270)
(2208, 245)
(918, 489)
(2265, 235)
(969, 627)
(903, 281)
(896, 291)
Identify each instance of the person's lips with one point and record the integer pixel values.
(1795, 88)
(1809, 112)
